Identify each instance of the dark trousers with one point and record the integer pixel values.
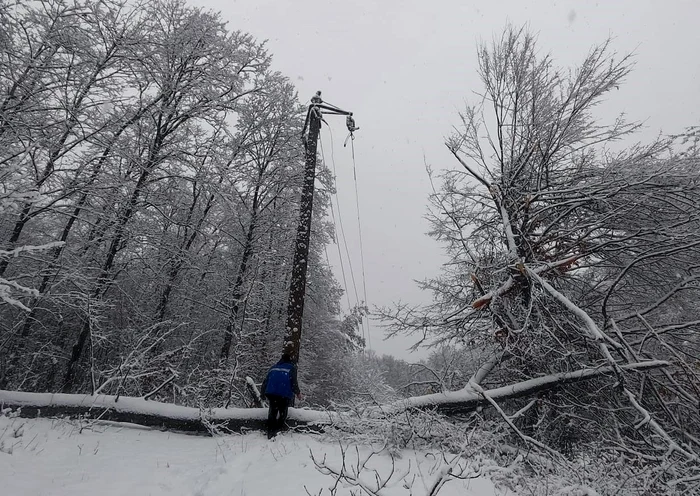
(276, 416)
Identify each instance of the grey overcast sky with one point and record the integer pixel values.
(406, 68)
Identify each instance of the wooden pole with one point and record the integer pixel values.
(297, 288)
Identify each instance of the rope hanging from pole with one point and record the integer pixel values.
(364, 323)
(335, 226)
(359, 230)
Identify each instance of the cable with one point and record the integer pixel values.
(359, 230)
(342, 268)
(335, 226)
(340, 223)
(363, 324)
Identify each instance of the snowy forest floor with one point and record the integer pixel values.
(62, 457)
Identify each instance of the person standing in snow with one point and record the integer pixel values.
(279, 387)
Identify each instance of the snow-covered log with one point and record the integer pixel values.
(467, 399)
(182, 418)
(150, 413)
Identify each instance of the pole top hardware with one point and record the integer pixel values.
(318, 108)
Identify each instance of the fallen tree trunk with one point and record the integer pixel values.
(151, 413)
(181, 418)
(467, 400)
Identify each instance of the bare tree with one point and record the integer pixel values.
(558, 244)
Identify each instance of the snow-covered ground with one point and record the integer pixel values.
(57, 457)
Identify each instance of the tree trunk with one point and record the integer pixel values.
(238, 285)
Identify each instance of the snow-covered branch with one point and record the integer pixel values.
(467, 399)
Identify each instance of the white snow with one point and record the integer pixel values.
(42, 457)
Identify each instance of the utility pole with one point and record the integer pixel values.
(297, 288)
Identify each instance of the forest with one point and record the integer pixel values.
(151, 168)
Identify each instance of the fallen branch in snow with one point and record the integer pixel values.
(353, 472)
(356, 470)
(467, 400)
(151, 413)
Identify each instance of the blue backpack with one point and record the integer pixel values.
(279, 380)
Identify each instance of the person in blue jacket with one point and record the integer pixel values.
(280, 386)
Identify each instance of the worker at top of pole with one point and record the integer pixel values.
(352, 127)
(315, 100)
(350, 123)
